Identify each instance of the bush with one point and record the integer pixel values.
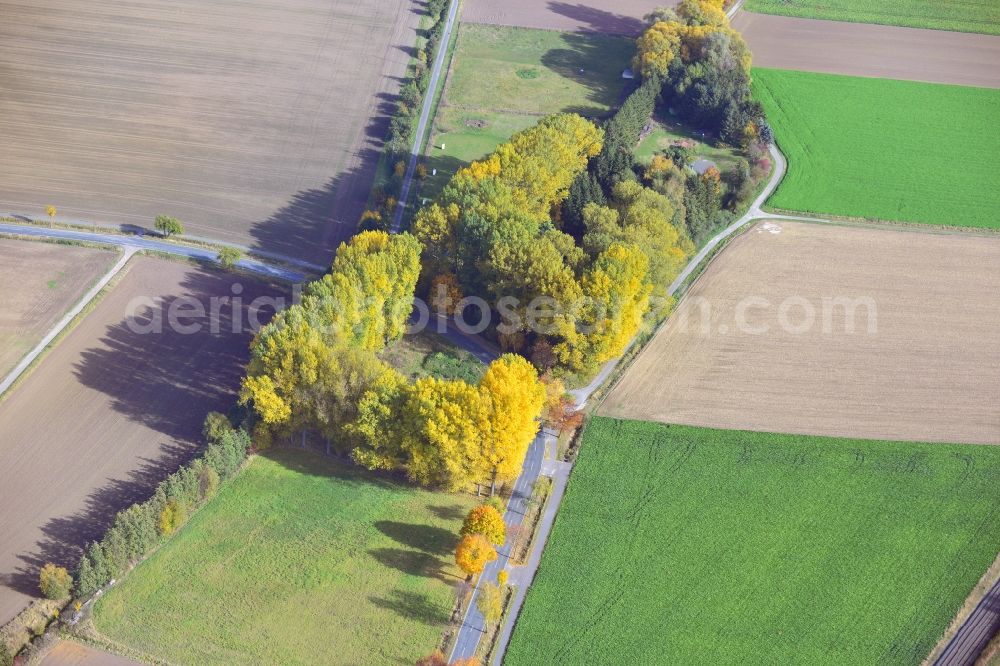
(216, 425)
(229, 256)
(6, 658)
(172, 517)
(168, 226)
(54, 582)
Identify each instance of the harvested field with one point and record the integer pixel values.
(624, 17)
(71, 653)
(966, 16)
(252, 122)
(930, 370)
(680, 545)
(111, 411)
(39, 283)
(880, 51)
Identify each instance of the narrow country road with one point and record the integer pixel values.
(425, 114)
(136, 243)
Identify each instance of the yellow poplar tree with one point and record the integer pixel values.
(512, 401)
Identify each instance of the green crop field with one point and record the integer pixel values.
(878, 148)
(505, 79)
(966, 16)
(299, 560)
(682, 545)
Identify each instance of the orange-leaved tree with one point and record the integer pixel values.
(473, 553)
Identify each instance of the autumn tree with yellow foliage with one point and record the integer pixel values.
(704, 67)
(473, 553)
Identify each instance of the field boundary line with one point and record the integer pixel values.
(32, 355)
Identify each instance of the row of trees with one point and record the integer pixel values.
(315, 367)
(703, 66)
(139, 528)
(497, 231)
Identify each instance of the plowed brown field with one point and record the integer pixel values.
(742, 353)
(39, 283)
(254, 122)
(882, 51)
(110, 412)
(617, 18)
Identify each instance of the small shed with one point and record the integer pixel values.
(702, 165)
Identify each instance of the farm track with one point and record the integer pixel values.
(40, 282)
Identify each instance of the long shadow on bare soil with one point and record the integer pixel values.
(314, 222)
(66, 537)
(598, 20)
(166, 376)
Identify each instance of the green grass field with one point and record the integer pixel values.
(505, 79)
(682, 545)
(878, 148)
(299, 560)
(667, 131)
(966, 16)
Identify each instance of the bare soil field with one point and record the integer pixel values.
(253, 122)
(39, 283)
(71, 653)
(764, 339)
(114, 408)
(857, 49)
(618, 18)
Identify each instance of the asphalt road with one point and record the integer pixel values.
(473, 625)
(136, 243)
(975, 633)
(425, 114)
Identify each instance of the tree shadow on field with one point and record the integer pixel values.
(313, 223)
(413, 606)
(65, 537)
(599, 20)
(166, 369)
(412, 563)
(581, 52)
(452, 512)
(427, 538)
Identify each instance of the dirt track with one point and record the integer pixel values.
(858, 49)
(618, 18)
(39, 283)
(251, 121)
(929, 372)
(109, 413)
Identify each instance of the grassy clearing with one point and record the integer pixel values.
(966, 16)
(704, 546)
(891, 150)
(428, 354)
(530, 73)
(537, 71)
(299, 560)
(666, 132)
